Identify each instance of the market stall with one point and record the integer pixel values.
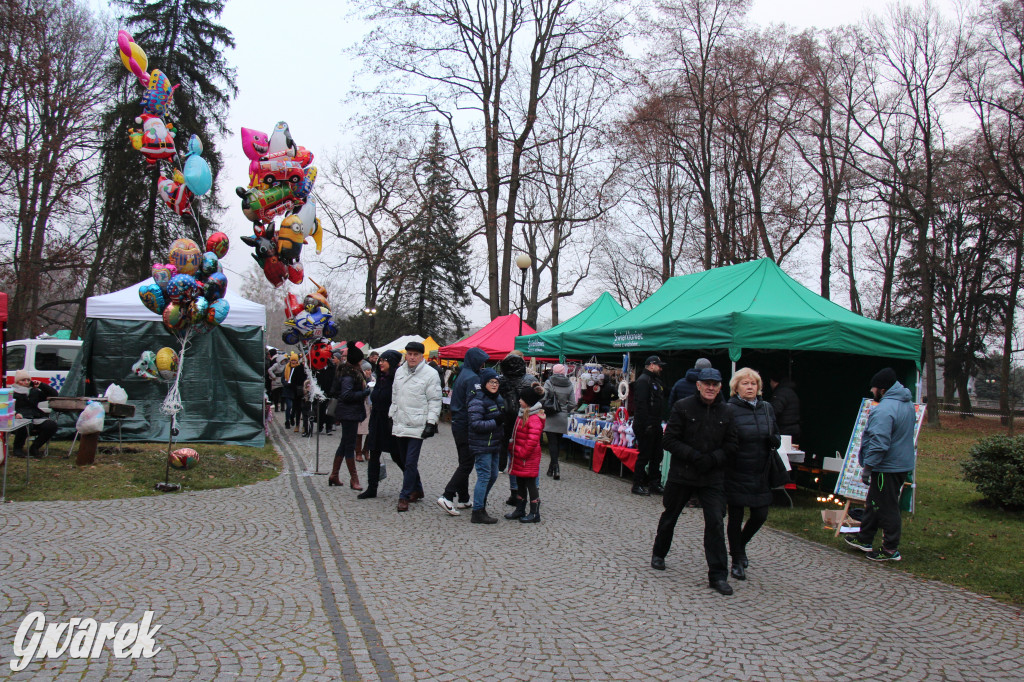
(221, 385)
(497, 339)
(549, 343)
(755, 315)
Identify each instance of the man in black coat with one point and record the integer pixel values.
(649, 405)
(28, 393)
(701, 438)
(786, 404)
(687, 386)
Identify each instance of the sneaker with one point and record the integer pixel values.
(464, 505)
(853, 541)
(882, 555)
(446, 504)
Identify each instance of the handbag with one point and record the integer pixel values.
(778, 476)
(332, 405)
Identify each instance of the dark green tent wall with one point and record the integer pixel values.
(757, 316)
(221, 386)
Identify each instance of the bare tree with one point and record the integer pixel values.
(498, 59)
(915, 60)
(50, 99)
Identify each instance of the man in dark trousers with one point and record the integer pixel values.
(701, 438)
(887, 455)
(649, 404)
(467, 382)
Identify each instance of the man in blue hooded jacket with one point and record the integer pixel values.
(887, 455)
(467, 382)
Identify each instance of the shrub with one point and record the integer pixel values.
(996, 467)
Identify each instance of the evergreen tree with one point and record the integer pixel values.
(181, 38)
(431, 257)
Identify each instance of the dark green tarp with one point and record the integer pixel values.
(221, 386)
(751, 305)
(549, 343)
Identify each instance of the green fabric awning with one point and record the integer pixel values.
(752, 305)
(549, 343)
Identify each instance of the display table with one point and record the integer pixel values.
(4, 431)
(625, 455)
(87, 447)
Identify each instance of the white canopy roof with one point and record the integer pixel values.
(126, 305)
(398, 344)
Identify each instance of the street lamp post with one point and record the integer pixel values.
(523, 262)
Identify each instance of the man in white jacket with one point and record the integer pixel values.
(415, 411)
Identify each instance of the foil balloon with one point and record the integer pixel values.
(167, 363)
(145, 366)
(158, 94)
(216, 287)
(152, 296)
(162, 273)
(182, 288)
(133, 57)
(218, 243)
(200, 308)
(319, 355)
(155, 140)
(185, 256)
(184, 458)
(217, 312)
(304, 324)
(209, 264)
(175, 317)
(175, 194)
(197, 171)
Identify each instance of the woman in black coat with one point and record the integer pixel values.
(747, 476)
(349, 388)
(379, 438)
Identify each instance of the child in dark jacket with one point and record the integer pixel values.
(486, 430)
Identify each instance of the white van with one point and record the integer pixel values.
(47, 360)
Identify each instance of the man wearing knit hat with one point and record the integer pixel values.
(887, 455)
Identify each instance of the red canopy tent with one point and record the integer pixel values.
(497, 339)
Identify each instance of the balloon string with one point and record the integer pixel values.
(172, 403)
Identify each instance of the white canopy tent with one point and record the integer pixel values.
(126, 305)
(399, 343)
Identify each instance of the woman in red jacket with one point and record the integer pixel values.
(526, 454)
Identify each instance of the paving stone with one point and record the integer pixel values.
(290, 579)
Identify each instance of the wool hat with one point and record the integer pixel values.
(392, 357)
(884, 379)
(654, 360)
(415, 347)
(338, 353)
(354, 354)
(486, 375)
(531, 394)
(702, 363)
(364, 365)
(560, 369)
(709, 374)
(21, 375)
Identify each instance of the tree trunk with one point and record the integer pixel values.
(1006, 366)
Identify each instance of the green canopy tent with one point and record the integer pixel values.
(755, 315)
(549, 343)
(221, 385)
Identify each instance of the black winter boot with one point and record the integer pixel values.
(481, 516)
(520, 510)
(534, 515)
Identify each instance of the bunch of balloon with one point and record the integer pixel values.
(281, 180)
(155, 140)
(188, 292)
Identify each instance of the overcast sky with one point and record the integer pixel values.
(292, 66)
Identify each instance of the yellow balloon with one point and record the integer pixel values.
(138, 55)
(166, 362)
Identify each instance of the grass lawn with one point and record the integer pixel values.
(135, 471)
(953, 536)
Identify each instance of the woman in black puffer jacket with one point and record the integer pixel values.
(746, 477)
(379, 438)
(350, 389)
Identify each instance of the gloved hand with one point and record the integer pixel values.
(429, 431)
(865, 476)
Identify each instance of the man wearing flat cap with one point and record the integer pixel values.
(887, 455)
(701, 438)
(649, 402)
(415, 411)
